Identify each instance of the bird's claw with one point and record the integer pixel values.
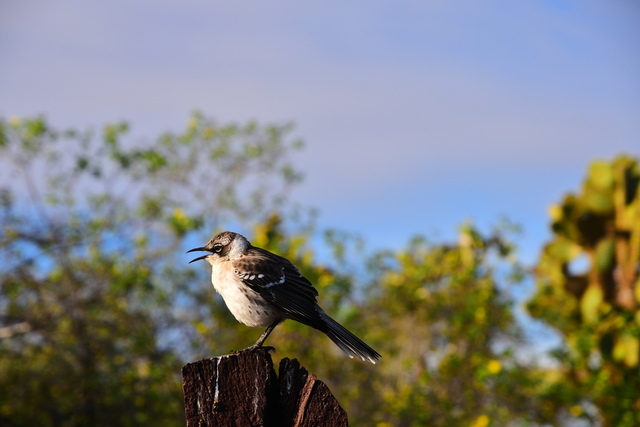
(266, 348)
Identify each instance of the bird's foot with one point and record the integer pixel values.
(266, 348)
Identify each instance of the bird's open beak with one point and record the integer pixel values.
(198, 250)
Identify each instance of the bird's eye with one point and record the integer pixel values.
(217, 248)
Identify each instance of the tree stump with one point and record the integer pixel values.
(243, 390)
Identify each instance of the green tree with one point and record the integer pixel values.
(439, 314)
(98, 313)
(451, 360)
(99, 309)
(589, 290)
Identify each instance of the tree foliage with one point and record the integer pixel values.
(589, 289)
(99, 308)
(97, 315)
(444, 319)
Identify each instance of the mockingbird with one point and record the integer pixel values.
(263, 289)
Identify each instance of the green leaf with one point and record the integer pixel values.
(601, 175)
(605, 254)
(599, 202)
(4, 139)
(154, 159)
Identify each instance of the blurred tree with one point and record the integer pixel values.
(444, 322)
(589, 290)
(98, 313)
(440, 316)
(96, 316)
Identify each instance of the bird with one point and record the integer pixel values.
(261, 288)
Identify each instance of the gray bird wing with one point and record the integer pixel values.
(280, 283)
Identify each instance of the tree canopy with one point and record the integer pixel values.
(99, 310)
(589, 290)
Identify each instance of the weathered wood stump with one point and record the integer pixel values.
(243, 390)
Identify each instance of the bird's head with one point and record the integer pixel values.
(223, 246)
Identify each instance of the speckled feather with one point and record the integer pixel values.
(281, 284)
(262, 289)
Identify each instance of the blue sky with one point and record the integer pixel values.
(417, 115)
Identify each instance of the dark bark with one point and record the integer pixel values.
(243, 390)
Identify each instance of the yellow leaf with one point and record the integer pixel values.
(631, 351)
(555, 212)
(576, 410)
(192, 123)
(143, 368)
(179, 214)
(481, 421)
(627, 350)
(422, 293)
(208, 132)
(201, 328)
(494, 367)
(601, 175)
(590, 302)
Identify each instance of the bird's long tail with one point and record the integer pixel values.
(349, 343)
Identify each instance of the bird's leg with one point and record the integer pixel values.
(263, 338)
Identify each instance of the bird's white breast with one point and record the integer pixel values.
(245, 304)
